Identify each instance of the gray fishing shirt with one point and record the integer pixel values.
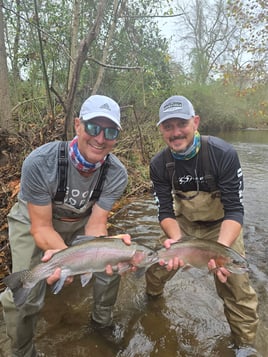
(39, 183)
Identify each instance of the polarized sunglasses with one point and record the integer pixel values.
(95, 129)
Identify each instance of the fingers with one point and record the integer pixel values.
(48, 254)
(54, 277)
(126, 239)
(221, 272)
(169, 242)
(176, 262)
(109, 270)
(173, 264)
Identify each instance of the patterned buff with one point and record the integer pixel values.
(191, 151)
(79, 162)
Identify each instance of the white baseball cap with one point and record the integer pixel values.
(100, 106)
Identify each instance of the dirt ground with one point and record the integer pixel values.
(13, 149)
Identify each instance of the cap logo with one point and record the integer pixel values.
(172, 107)
(105, 106)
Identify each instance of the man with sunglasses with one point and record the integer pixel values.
(38, 224)
(198, 187)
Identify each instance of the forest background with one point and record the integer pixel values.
(54, 54)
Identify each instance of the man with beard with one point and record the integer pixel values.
(198, 186)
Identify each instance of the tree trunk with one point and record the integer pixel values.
(80, 60)
(5, 103)
(15, 63)
(74, 42)
(101, 72)
(43, 58)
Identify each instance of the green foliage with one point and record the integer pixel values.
(224, 107)
(226, 103)
(136, 43)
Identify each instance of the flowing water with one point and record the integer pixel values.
(188, 320)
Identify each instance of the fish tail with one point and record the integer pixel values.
(14, 282)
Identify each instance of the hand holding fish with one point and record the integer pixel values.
(200, 253)
(126, 238)
(174, 263)
(221, 272)
(87, 255)
(57, 273)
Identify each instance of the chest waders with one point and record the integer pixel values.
(191, 207)
(21, 323)
(200, 215)
(105, 287)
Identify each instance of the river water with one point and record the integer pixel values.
(188, 320)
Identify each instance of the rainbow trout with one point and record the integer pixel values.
(198, 252)
(83, 258)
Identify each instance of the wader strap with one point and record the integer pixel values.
(99, 185)
(170, 162)
(62, 172)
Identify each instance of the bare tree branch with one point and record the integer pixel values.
(113, 66)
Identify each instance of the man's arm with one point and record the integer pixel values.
(42, 228)
(97, 222)
(171, 228)
(45, 236)
(229, 231)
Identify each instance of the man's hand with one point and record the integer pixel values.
(175, 263)
(57, 273)
(126, 238)
(221, 272)
(169, 242)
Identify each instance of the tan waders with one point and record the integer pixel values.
(239, 298)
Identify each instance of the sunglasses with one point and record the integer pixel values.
(94, 130)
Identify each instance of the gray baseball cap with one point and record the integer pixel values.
(176, 106)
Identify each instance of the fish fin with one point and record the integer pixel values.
(14, 280)
(184, 239)
(20, 295)
(122, 268)
(58, 285)
(85, 278)
(177, 242)
(82, 239)
(15, 284)
(186, 267)
(125, 267)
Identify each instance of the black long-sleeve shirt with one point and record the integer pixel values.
(225, 168)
